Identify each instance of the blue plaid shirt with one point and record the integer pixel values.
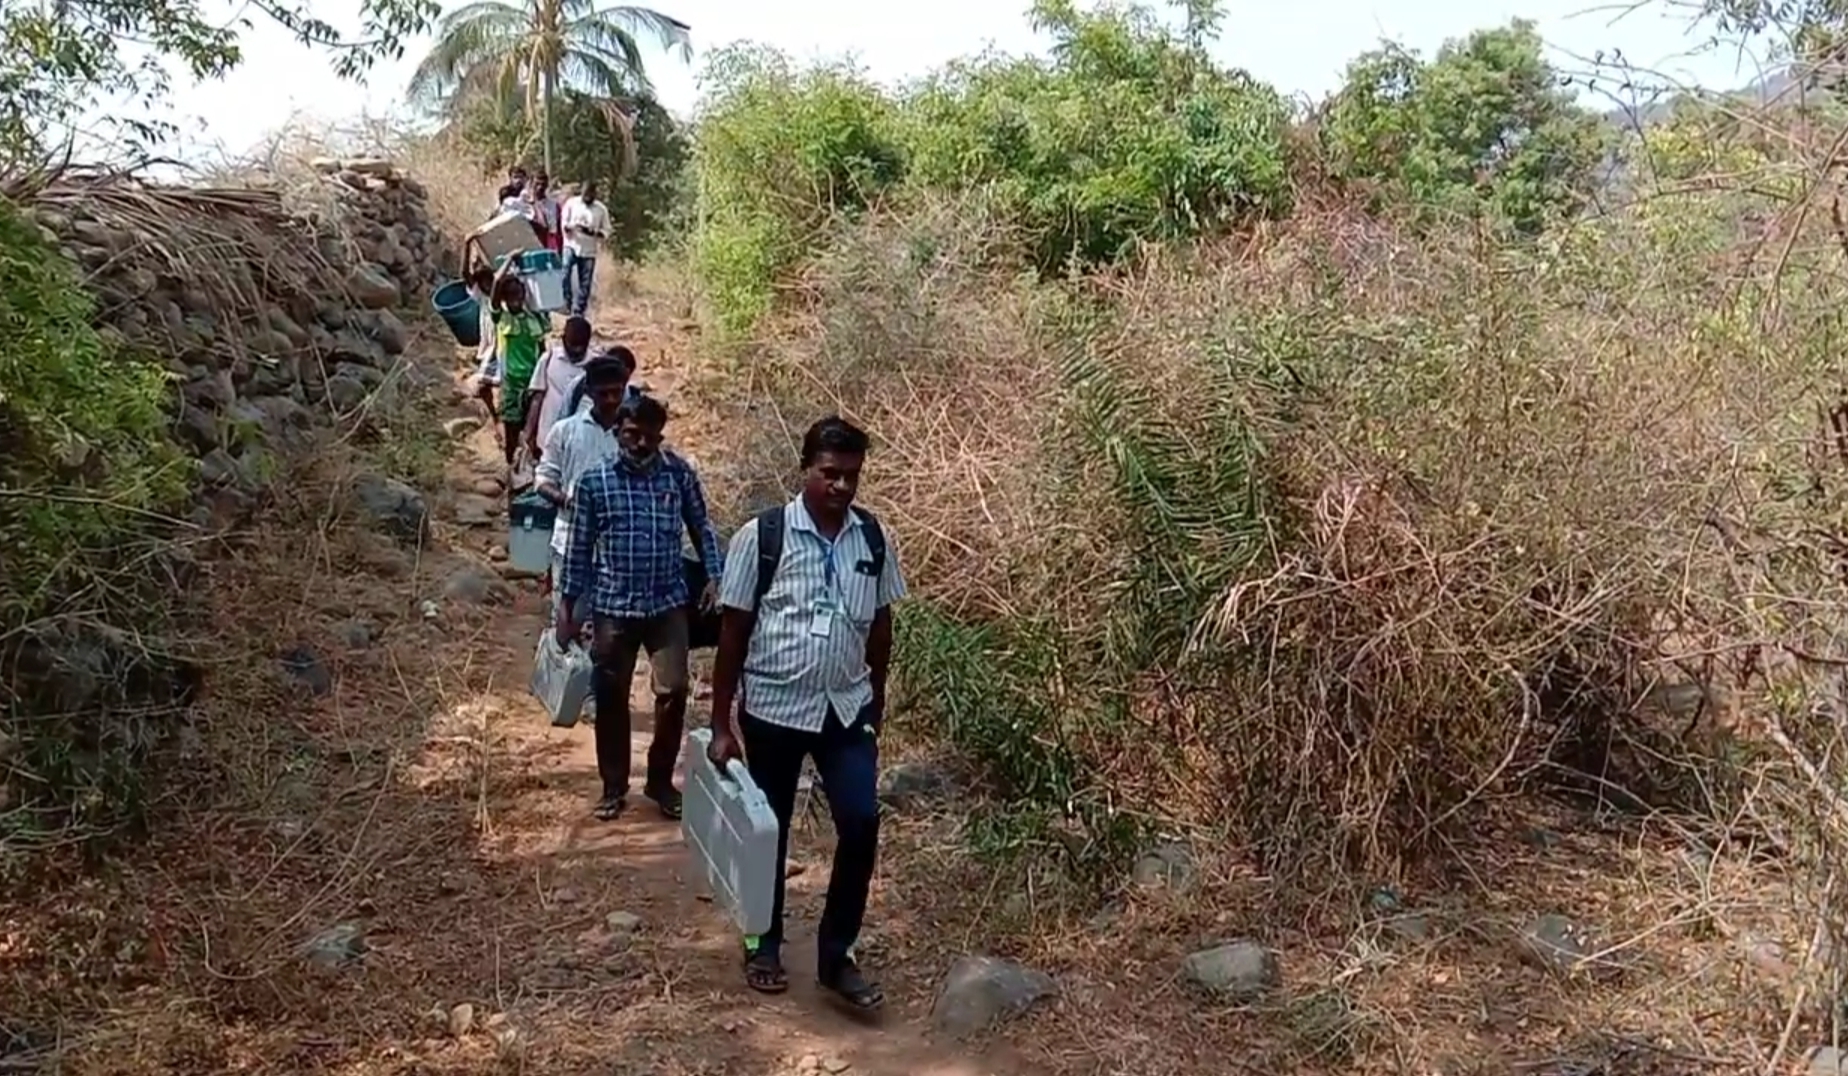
(625, 538)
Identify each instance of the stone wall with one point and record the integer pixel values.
(277, 307)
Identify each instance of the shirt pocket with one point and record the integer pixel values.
(667, 512)
(860, 594)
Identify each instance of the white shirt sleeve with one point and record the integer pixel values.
(738, 587)
(891, 580)
(554, 457)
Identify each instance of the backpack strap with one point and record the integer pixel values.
(770, 531)
(875, 541)
(769, 552)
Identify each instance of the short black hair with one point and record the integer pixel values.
(833, 434)
(576, 324)
(621, 354)
(603, 370)
(645, 410)
(482, 278)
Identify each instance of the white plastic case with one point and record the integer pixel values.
(733, 833)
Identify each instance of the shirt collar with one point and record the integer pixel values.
(587, 414)
(799, 518)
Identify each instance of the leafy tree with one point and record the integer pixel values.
(539, 48)
(1484, 125)
(57, 59)
(1128, 134)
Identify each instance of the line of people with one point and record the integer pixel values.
(802, 597)
(576, 229)
(799, 606)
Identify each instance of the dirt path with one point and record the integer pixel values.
(626, 895)
(378, 856)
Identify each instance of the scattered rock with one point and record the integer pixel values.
(476, 584)
(911, 784)
(623, 922)
(462, 427)
(1170, 866)
(476, 511)
(981, 991)
(346, 393)
(372, 287)
(356, 634)
(305, 666)
(1555, 943)
(393, 507)
(461, 1020)
(339, 946)
(1827, 1061)
(1385, 908)
(1240, 971)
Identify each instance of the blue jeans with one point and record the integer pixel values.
(578, 270)
(847, 759)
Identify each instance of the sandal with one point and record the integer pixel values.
(763, 972)
(667, 799)
(609, 808)
(854, 989)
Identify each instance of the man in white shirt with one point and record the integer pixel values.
(576, 443)
(587, 225)
(807, 627)
(558, 372)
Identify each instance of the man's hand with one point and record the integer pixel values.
(725, 746)
(709, 597)
(565, 629)
(530, 441)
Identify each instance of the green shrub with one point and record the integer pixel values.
(1483, 126)
(86, 472)
(83, 458)
(1125, 135)
(780, 153)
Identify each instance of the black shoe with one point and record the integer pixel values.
(852, 989)
(666, 797)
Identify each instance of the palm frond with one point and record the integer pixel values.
(480, 35)
(674, 37)
(596, 74)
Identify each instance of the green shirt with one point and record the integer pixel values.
(522, 335)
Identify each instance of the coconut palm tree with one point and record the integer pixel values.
(535, 47)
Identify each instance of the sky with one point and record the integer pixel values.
(1300, 47)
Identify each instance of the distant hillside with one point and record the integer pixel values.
(1779, 87)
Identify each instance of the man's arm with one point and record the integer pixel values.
(699, 523)
(549, 476)
(737, 594)
(585, 522)
(879, 640)
(535, 395)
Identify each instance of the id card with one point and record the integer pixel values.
(821, 623)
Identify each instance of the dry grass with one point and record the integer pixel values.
(1561, 519)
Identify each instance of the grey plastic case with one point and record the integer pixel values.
(561, 679)
(733, 833)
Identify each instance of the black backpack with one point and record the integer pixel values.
(770, 532)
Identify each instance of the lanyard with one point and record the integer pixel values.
(832, 574)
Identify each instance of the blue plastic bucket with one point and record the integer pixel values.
(459, 311)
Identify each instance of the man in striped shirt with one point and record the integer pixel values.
(623, 572)
(812, 650)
